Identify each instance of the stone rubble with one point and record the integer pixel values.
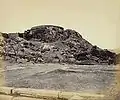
(53, 44)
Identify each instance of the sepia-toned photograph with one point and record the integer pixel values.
(59, 50)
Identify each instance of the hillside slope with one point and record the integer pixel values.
(53, 44)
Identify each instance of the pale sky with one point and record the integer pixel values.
(98, 21)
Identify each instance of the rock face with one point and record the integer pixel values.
(53, 44)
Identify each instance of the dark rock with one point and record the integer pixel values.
(5, 35)
(118, 58)
(53, 44)
(21, 35)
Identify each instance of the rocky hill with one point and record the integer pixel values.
(53, 44)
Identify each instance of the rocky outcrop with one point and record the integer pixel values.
(53, 44)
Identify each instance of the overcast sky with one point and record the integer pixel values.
(98, 21)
